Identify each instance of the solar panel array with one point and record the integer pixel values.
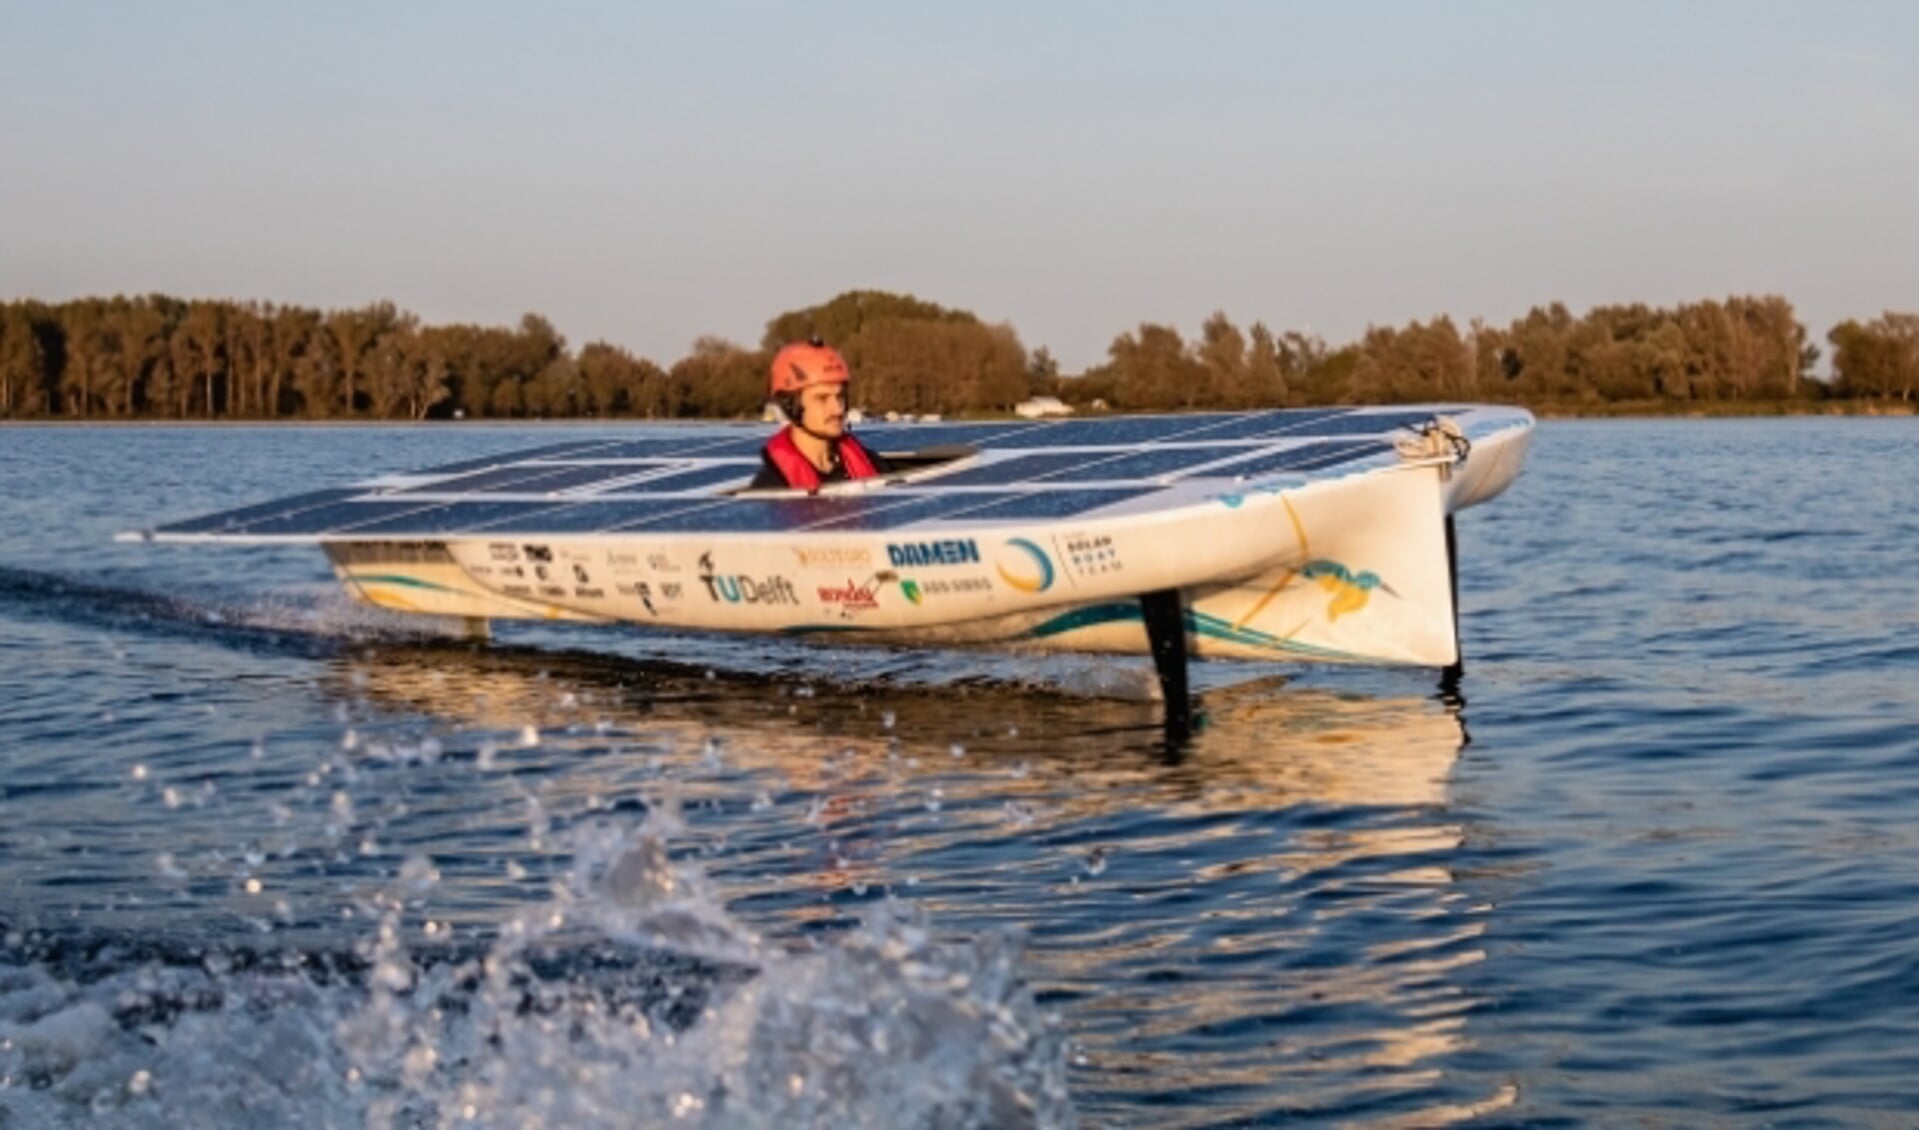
(665, 483)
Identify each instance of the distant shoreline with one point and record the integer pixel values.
(1621, 411)
(367, 422)
(1714, 409)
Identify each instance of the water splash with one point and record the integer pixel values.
(630, 996)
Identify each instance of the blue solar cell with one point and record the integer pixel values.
(693, 479)
(1365, 423)
(1018, 469)
(886, 510)
(1005, 440)
(493, 479)
(756, 515)
(1287, 421)
(563, 478)
(1051, 504)
(1152, 462)
(230, 521)
(738, 445)
(1120, 431)
(452, 518)
(1305, 457)
(903, 438)
(593, 517)
(325, 519)
(550, 451)
(663, 447)
(599, 475)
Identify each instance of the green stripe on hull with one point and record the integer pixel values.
(1199, 623)
(404, 582)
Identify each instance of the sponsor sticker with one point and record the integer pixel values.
(640, 591)
(1024, 566)
(1090, 555)
(929, 554)
(954, 586)
(744, 588)
(850, 597)
(838, 557)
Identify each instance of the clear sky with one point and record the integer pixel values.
(647, 173)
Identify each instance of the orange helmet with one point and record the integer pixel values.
(806, 363)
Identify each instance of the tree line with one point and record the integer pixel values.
(157, 356)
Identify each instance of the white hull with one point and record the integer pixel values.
(1350, 569)
(1348, 562)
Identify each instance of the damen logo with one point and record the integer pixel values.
(954, 551)
(1025, 566)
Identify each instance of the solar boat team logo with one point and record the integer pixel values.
(1090, 554)
(743, 588)
(1024, 566)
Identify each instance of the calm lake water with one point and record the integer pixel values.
(267, 858)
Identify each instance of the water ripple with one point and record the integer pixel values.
(1658, 866)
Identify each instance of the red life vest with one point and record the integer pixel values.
(799, 470)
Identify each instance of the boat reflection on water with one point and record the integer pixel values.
(1265, 741)
(1266, 923)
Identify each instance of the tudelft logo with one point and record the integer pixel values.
(743, 589)
(922, 554)
(1025, 566)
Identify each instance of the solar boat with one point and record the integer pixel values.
(1306, 534)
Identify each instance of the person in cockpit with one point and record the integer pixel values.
(809, 383)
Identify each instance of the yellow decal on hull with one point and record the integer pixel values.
(385, 599)
(1299, 531)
